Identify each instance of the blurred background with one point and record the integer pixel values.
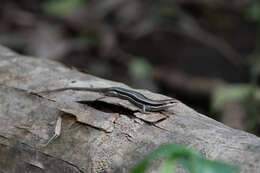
(205, 53)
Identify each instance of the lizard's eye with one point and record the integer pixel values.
(172, 101)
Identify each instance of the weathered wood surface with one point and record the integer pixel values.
(107, 135)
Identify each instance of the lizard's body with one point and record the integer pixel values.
(134, 97)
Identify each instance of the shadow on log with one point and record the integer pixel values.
(99, 134)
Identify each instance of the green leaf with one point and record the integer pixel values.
(253, 12)
(197, 164)
(140, 68)
(167, 166)
(208, 166)
(186, 157)
(61, 8)
(229, 93)
(140, 167)
(161, 151)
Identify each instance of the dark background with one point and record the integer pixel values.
(205, 53)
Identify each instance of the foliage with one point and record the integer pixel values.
(248, 94)
(173, 154)
(231, 93)
(253, 12)
(139, 68)
(61, 8)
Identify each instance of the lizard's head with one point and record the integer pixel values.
(170, 102)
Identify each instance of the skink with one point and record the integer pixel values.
(134, 97)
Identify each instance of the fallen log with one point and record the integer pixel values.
(99, 134)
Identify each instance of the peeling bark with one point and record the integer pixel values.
(99, 134)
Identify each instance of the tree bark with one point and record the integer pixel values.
(99, 134)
